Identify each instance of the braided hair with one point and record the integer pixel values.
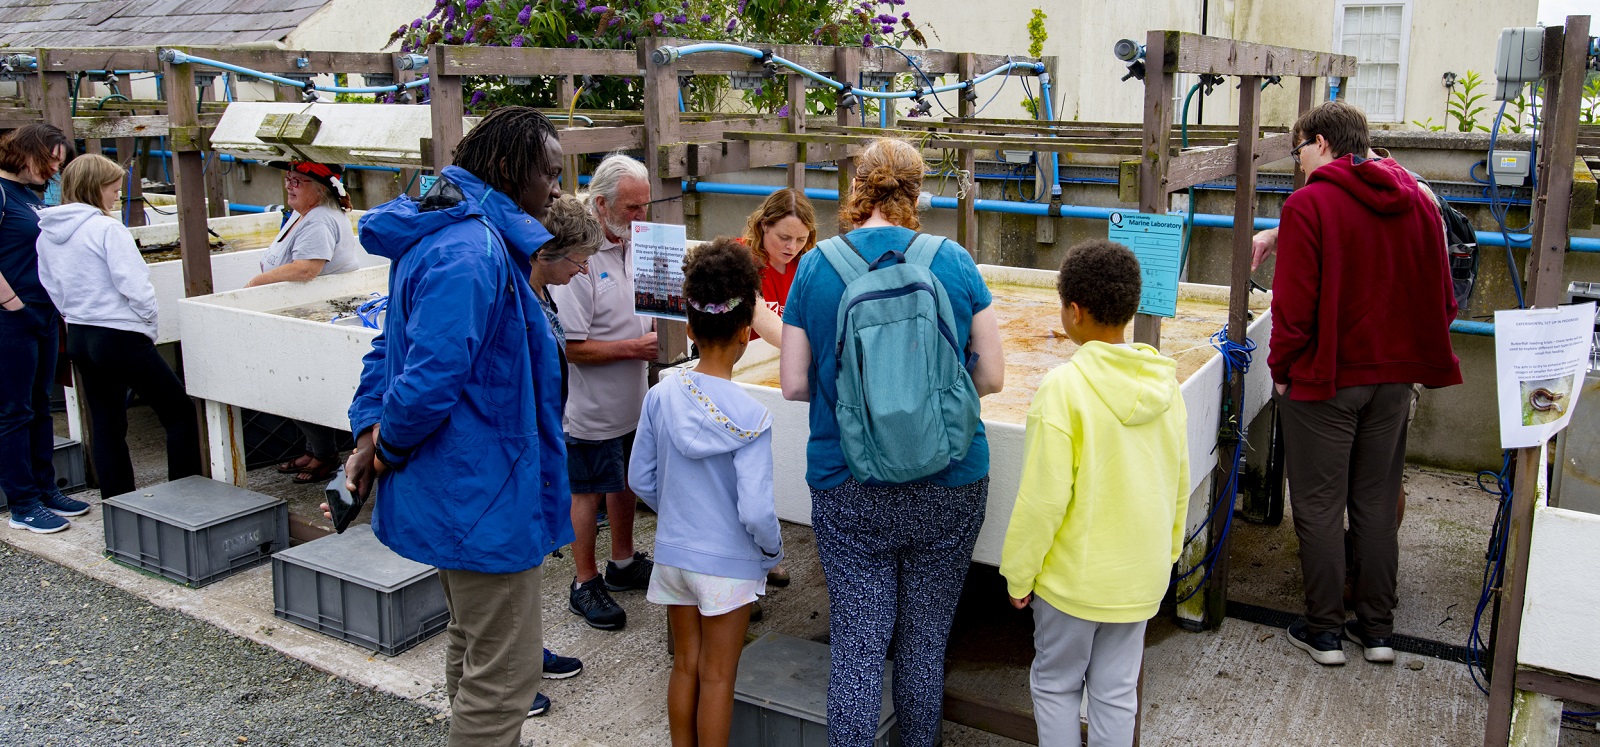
(507, 148)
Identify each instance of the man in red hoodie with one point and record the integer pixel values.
(1361, 311)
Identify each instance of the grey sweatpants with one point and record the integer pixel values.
(1346, 459)
(494, 656)
(1071, 653)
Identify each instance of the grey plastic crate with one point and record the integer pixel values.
(780, 698)
(195, 531)
(353, 588)
(68, 461)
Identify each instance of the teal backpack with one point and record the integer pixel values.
(907, 405)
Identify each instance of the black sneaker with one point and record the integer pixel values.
(1376, 650)
(1323, 647)
(596, 606)
(557, 667)
(541, 705)
(635, 576)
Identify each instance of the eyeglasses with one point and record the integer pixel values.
(1295, 154)
(584, 265)
(295, 181)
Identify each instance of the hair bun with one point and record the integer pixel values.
(883, 181)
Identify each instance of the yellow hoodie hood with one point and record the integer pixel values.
(1100, 514)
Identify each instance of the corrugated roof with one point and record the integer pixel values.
(132, 23)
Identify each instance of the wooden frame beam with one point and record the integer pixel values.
(862, 136)
(455, 60)
(1183, 52)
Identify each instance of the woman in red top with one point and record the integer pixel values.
(784, 228)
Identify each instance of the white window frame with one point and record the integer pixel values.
(1405, 47)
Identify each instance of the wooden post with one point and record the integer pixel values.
(567, 89)
(216, 181)
(1153, 163)
(447, 107)
(127, 155)
(1308, 96)
(189, 178)
(1563, 78)
(967, 200)
(797, 124)
(224, 434)
(661, 130)
(406, 176)
(846, 66)
(56, 99)
(1244, 214)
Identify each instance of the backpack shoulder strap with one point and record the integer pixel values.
(923, 249)
(845, 259)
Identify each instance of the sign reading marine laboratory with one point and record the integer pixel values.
(1157, 240)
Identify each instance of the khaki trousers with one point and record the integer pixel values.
(494, 657)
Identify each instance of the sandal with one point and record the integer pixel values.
(296, 465)
(320, 473)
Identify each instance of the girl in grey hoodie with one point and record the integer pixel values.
(92, 269)
(703, 461)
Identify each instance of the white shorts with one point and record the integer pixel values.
(714, 595)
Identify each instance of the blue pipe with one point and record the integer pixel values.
(1479, 329)
(239, 207)
(179, 58)
(1049, 115)
(672, 53)
(1204, 220)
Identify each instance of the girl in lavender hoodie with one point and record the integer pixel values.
(703, 461)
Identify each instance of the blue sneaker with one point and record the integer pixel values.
(64, 506)
(38, 519)
(561, 667)
(541, 705)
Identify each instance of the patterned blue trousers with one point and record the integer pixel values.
(895, 558)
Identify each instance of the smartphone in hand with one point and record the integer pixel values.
(343, 504)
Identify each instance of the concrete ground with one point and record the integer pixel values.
(1240, 685)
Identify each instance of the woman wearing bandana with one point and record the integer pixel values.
(316, 240)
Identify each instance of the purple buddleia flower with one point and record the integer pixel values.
(885, 18)
(449, 14)
(657, 19)
(449, 39)
(598, 9)
(518, 40)
(761, 90)
(405, 48)
(582, 6)
(472, 5)
(742, 5)
(732, 22)
(783, 111)
(888, 28)
(705, 18)
(524, 16)
(866, 40)
(468, 38)
(572, 38)
(417, 24)
(433, 12)
(906, 16)
(613, 22)
(477, 98)
(680, 18)
(868, 7)
(488, 17)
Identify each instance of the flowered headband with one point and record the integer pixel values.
(715, 308)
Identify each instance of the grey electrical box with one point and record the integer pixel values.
(1518, 60)
(1510, 167)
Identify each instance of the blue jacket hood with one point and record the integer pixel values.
(395, 227)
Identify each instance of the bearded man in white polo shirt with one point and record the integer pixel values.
(608, 350)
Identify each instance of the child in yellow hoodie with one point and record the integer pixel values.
(1100, 516)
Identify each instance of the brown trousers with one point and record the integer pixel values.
(494, 657)
(1346, 457)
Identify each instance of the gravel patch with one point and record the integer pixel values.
(88, 664)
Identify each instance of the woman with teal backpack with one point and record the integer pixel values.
(889, 335)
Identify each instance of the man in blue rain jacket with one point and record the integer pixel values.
(458, 414)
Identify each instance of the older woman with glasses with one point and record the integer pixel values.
(316, 240)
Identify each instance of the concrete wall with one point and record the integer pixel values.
(1446, 35)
